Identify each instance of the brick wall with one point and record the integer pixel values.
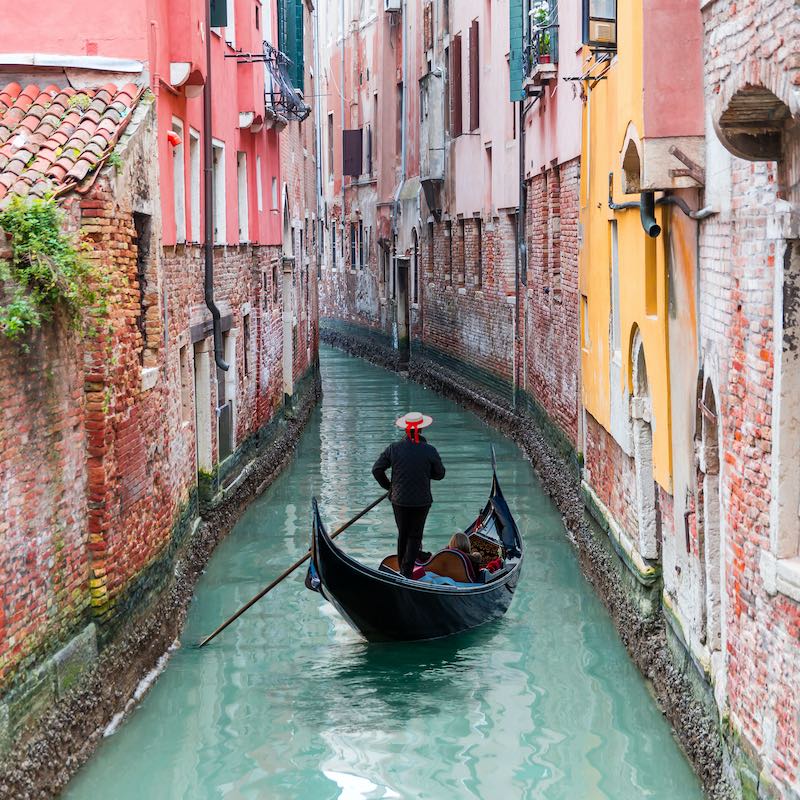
(468, 295)
(741, 254)
(551, 299)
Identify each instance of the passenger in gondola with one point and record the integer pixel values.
(460, 541)
(414, 464)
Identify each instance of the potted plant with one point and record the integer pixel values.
(540, 16)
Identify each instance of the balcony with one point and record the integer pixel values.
(283, 101)
(541, 58)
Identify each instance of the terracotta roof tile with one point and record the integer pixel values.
(54, 138)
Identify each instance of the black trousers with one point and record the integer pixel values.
(410, 525)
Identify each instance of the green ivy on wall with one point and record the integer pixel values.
(47, 270)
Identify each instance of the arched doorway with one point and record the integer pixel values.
(709, 529)
(641, 416)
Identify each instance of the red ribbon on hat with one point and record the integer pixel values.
(412, 430)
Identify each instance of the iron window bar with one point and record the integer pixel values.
(280, 96)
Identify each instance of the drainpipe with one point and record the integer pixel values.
(402, 120)
(208, 194)
(647, 204)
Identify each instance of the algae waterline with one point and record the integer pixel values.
(290, 703)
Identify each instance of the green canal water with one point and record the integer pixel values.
(289, 703)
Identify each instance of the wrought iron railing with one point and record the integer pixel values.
(543, 46)
(280, 95)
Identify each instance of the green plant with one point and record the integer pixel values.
(540, 16)
(80, 100)
(47, 270)
(115, 160)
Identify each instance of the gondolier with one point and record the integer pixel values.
(414, 464)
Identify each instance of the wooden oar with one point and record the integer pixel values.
(288, 572)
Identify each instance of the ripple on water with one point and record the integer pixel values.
(290, 703)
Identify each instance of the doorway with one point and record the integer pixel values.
(403, 339)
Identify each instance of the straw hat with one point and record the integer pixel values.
(415, 419)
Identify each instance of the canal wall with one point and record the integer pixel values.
(630, 588)
(75, 694)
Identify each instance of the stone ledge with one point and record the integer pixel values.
(646, 572)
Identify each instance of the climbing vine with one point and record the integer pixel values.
(47, 270)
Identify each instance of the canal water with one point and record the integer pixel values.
(289, 703)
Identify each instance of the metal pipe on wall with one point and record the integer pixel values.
(208, 195)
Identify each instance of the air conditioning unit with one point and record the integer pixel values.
(603, 32)
(392, 5)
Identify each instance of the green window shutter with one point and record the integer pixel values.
(282, 25)
(515, 46)
(219, 13)
(299, 53)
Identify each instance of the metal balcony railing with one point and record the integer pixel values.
(543, 47)
(280, 96)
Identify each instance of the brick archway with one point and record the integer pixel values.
(754, 110)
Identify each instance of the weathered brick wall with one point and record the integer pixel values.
(612, 475)
(551, 298)
(471, 321)
(740, 251)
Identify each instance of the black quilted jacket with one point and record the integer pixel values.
(413, 466)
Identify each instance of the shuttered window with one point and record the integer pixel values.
(456, 101)
(352, 146)
(474, 78)
(290, 38)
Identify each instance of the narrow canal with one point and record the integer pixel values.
(290, 704)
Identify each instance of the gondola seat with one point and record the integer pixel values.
(447, 563)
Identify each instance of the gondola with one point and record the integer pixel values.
(445, 598)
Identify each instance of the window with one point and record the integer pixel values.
(246, 343)
(244, 211)
(447, 110)
(456, 119)
(259, 189)
(330, 146)
(415, 271)
(479, 244)
(275, 284)
(179, 183)
(368, 167)
(230, 27)
(274, 193)
(448, 232)
(218, 177)
(430, 251)
(360, 244)
(352, 146)
(462, 251)
(399, 136)
(600, 24)
(186, 388)
(258, 16)
(474, 78)
(352, 245)
(333, 246)
(194, 183)
(265, 288)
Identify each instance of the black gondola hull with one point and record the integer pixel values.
(383, 606)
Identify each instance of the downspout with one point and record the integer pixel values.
(342, 90)
(402, 121)
(208, 195)
(521, 255)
